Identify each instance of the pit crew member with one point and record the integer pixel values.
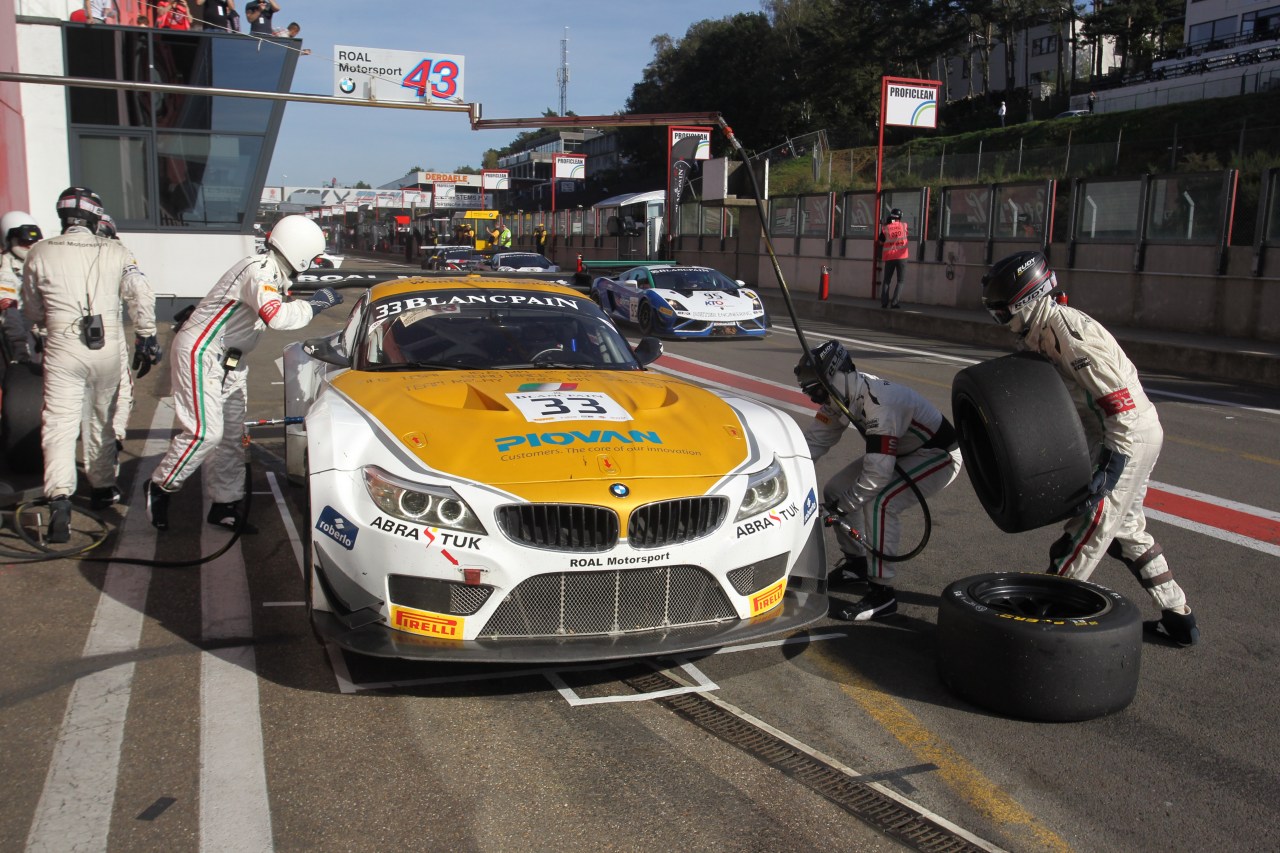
(1120, 422)
(19, 233)
(209, 370)
(72, 287)
(906, 437)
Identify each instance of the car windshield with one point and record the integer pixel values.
(691, 278)
(520, 260)
(490, 329)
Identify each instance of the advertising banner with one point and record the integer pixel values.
(370, 73)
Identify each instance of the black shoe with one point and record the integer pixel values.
(59, 520)
(103, 497)
(849, 570)
(1178, 627)
(880, 602)
(227, 516)
(895, 305)
(157, 506)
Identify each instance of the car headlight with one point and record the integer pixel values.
(430, 506)
(765, 490)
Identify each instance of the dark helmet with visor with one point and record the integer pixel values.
(80, 206)
(820, 365)
(1015, 282)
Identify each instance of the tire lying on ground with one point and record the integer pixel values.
(1039, 647)
(1022, 441)
(20, 417)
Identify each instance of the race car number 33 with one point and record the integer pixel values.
(541, 407)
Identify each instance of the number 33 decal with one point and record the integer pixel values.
(568, 405)
(440, 75)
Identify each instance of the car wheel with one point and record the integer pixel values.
(1022, 442)
(1038, 646)
(23, 398)
(644, 318)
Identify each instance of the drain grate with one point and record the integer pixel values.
(858, 798)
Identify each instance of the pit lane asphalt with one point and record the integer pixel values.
(469, 758)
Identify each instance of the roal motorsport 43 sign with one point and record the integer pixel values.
(367, 73)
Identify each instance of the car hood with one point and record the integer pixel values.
(557, 427)
(713, 305)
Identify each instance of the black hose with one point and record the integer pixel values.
(46, 553)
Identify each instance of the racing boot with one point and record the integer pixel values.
(104, 496)
(881, 601)
(157, 506)
(59, 520)
(1179, 627)
(850, 570)
(228, 517)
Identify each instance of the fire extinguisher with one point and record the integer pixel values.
(824, 283)
(579, 262)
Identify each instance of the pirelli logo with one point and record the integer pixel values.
(768, 598)
(426, 623)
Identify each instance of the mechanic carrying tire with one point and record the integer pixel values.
(1122, 427)
(209, 372)
(907, 441)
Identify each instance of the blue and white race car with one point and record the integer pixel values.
(682, 302)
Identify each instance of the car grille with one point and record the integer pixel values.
(437, 596)
(664, 523)
(748, 579)
(560, 527)
(610, 602)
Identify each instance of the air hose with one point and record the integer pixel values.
(833, 517)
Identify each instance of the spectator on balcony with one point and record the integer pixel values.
(259, 13)
(101, 12)
(173, 15)
(215, 15)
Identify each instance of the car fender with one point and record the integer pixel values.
(304, 376)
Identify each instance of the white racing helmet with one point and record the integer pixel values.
(19, 231)
(297, 240)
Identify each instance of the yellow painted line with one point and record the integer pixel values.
(954, 769)
(1216, 448)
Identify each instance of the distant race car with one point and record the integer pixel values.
(520, 262)
(493, 475)
(683, 302)
(451, 258)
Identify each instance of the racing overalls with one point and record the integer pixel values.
(67, 280)
(1116, 412)
(14, 325)
(209, 394)
(893, 252)
(903, 430)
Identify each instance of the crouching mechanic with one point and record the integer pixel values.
(209, 370)
(1120, 423)
(906, 437)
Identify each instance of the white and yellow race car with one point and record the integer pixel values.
(494, 475)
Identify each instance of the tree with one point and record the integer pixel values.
(361, 185)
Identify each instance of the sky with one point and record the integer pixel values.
(512, 55)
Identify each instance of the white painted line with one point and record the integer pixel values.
(1214, 532)
(295, 541)
(701, 684)
(234, 809)
(74, 810)
(284, 604)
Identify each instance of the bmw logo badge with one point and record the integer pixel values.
(346, 85)
(619, 491)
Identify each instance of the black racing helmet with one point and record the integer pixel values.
(1015, 282)
(816, 371)
(80, 206)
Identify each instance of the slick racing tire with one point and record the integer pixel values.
(1022, 441)
(23, 397)
(644, 318)
(1038, 646)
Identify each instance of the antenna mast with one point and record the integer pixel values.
(562, 75)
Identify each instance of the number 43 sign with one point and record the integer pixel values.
(368, 73)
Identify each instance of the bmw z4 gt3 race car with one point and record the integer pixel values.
(493, 475)
(682, 302)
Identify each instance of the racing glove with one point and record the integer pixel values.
(325, 297)
(146, 352)
(1105, 476)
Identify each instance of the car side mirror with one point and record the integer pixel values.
(648, 350)
(326, 349)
